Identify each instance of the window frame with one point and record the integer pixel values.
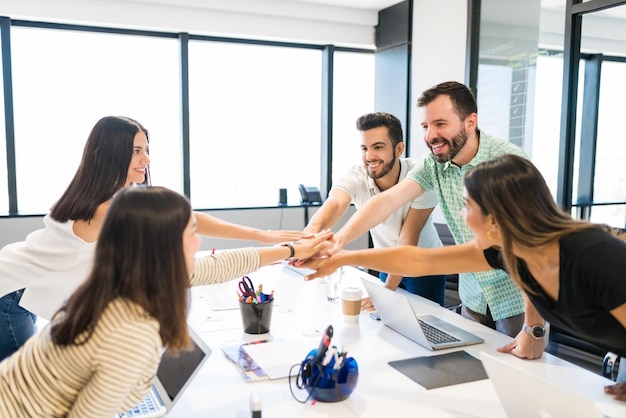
(183, 39)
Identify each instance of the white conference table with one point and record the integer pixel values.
(302, 312)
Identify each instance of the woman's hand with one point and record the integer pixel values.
(618, 391)
(367, 305)
(276, 237)
(307, 247)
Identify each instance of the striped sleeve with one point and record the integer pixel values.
(99, 378)
(124, 371)
(225, 265)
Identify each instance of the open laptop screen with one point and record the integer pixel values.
(176, 370)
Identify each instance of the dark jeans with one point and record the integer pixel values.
(429, 287)
(16, 324)
(510, 326)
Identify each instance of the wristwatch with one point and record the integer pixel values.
(536, 331)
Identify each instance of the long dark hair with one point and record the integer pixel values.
(514, 192)
(139, 257)
(102, 171)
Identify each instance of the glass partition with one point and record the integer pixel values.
(604, 39)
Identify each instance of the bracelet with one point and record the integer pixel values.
(292, 251)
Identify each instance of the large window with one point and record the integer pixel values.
(65, 81)
(255, 111)
(353, 96)
(254, 122)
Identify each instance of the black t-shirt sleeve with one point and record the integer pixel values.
(492, 255)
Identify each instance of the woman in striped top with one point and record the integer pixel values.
(137, 291)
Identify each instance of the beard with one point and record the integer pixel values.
(455, 144)
(386, 169)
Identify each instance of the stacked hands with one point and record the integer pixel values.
(317, 254)
(311, 247)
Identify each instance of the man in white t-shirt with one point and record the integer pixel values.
(382, 167)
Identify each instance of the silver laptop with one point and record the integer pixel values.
(526, 396)
(396, 312)
(173, 376)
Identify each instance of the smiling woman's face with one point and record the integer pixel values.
(140, 161)
(478, 223)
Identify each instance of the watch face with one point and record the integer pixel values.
(538, 332)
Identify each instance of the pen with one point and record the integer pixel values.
(330, 354)
(324, 343)
(342, 360)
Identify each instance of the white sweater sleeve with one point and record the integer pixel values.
(225, 265)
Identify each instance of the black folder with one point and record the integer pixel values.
(441, 370)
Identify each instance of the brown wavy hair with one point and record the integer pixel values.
(139, 257)
(513, 191)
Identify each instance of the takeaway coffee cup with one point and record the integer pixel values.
(351, 303)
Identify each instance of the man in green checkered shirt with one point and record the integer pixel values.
(450, 126)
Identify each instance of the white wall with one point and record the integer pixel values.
(289, 218)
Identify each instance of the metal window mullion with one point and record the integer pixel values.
(589, 133)
(9, 121)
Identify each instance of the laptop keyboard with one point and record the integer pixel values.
(435, 335)
(149, 405)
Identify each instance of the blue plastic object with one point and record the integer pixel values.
(327, 384)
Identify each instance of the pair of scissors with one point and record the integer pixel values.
(246, 287)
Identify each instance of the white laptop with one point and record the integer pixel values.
(174, 374)
(396, 312)
(526, 396)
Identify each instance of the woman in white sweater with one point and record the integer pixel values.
(137, 290)
(40, 273)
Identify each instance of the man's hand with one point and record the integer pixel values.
(524, 346)
(618, 391)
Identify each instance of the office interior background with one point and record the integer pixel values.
(242, 98)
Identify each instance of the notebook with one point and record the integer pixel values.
(174, 374)
(525, 396)
(396, 312)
